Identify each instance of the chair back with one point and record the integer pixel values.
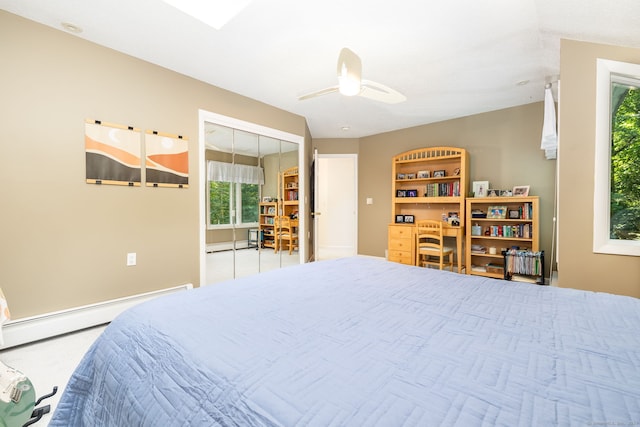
(429, 234)
(283, 224)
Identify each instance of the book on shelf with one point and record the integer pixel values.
(443, 189)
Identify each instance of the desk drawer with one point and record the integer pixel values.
(400, 232)
(400, 245)
(403, 257)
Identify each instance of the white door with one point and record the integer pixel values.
(335, 205)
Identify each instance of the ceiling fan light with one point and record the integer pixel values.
(349, 72)
(348, 85)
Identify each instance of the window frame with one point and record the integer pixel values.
(602, 242)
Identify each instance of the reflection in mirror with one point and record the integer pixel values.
(245, 194)
(288, 242)
(270, 156)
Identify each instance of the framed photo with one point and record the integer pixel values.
(521, 190)
(497, 212)
(480, 188)
(423, 174)
(411, 176)
(409, 219)
(514, 214)
(438, 173)
(412, 193)
(399, 219)
(401, 193)
(401, 176)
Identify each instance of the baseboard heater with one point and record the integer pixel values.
(30, 329)
(227, 246)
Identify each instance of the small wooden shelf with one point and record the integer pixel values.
(528, 224)
(268, 212)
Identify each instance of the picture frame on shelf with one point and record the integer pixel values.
(411, 193)
(521, 191)
(409, 219)
(514, 214)
(401, 193)
(423, 174)
(497, 212)
(453, 219)
(480, 188)
(439, 173)
(399, 219)
(411, 176)
(401, 176)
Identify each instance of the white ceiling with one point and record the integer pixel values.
(450, 58)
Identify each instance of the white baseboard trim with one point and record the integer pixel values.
(29, 329)
(227, 246)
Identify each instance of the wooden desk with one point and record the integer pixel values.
(402, 243)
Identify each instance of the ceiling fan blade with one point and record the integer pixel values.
(349, 72)
(318, 93)
(379, 92)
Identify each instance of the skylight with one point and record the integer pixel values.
(215, 13)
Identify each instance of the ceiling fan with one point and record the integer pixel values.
(350, 82)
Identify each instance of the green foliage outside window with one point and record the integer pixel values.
(219, 203)
(250, 202)
(625, 163)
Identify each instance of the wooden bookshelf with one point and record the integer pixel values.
(487, 237)
(427, 183)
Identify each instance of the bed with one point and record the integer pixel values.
(363, 342)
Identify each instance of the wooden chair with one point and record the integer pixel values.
(430, 248)
(285, 232)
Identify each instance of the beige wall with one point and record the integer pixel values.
(64, 242)
(578, 266)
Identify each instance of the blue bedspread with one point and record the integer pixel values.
(363, 342)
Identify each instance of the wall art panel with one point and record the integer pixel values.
(167, 160)
(113, 154)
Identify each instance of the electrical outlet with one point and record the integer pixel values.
(131, 259)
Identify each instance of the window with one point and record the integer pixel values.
(234, 192)
(617, 159)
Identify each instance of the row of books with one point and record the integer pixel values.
(526, 210)
(524, 262)
(291, 195)
(512, 230)
(443, 189)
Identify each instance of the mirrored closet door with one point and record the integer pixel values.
(251, 192)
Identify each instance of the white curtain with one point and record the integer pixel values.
(229, 172)
(549, 141)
